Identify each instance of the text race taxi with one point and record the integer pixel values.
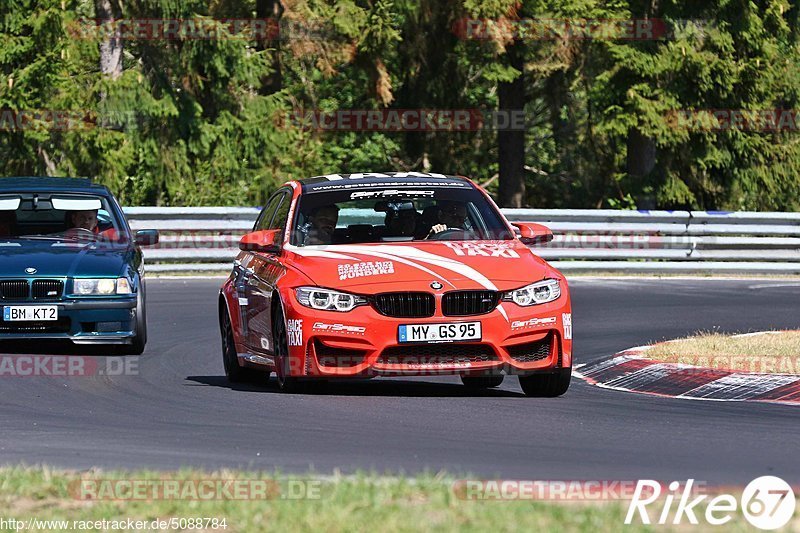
(375, 274)
(69, 266)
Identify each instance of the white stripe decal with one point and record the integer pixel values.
(426, 257)
(305, 252)
(312, 252)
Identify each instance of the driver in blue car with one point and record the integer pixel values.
(452, 215)
(86, 220)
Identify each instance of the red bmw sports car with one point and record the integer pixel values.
(399, 273)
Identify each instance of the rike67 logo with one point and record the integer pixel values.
(767, 502)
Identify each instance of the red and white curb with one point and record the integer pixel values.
(629, 371)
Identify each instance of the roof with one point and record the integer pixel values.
(332, 182)
(31, 184)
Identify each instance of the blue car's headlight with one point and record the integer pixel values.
(537, 293)
(328, 300)
(101, 286)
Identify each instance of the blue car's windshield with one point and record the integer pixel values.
(74, 217)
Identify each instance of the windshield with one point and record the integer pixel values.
(61, 216)
(394, 214)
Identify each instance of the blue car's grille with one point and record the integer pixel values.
(47, 289)
(14, 289)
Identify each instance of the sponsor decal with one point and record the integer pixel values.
(566, 320)
(484, 250)
(533, 322)
(294, 331)
(381, 185)
(337, 177)
(339, 328)
(360, 270)
(390, 193)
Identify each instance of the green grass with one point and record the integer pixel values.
(352, 503)
(363, 502)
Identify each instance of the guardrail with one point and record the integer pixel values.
(206, 239)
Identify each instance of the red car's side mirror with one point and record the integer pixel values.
(265, 241)
(530, 233)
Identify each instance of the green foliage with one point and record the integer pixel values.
(194, 122)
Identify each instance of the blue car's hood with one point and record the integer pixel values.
(63, 258)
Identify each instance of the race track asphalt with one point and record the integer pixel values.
(178, 410)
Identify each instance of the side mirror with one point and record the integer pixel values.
(146, 237)
(265, 241)
(530, 233)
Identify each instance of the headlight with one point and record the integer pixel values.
(537, 293)
(328, 300)
(101, 286)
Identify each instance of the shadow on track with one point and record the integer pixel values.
(377, 387)
(52, 347)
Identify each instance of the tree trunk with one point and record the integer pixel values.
(272, 11)
(641, 161)
(511, 142)
(111, 48)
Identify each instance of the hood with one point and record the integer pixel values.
(458, 265)
(53, 258)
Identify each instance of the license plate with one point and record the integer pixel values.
(459, 331)
(30, 313)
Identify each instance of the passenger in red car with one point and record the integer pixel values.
(323, 221)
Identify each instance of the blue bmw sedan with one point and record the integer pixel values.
(70, 267)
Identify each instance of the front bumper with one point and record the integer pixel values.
(83, 321)
(362, 342)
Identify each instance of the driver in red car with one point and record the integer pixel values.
(452, 215)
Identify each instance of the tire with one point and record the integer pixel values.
(482, 382)
(137, 345)
(286, 383)
(547, 385)
(230, 360)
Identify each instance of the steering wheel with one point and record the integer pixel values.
(80, 233)
(446, 234)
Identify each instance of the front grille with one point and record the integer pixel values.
(465, 303)
(532, 351)
(14, 289)
(337, 357)
(445, 354)
(62, 325)
(47, 289)
(405, 304)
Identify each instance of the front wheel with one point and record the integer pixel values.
(286, 382)
(547, 385)
(136, 347)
